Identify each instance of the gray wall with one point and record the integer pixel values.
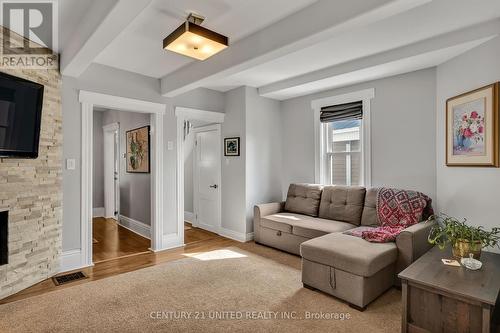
(233, 168)
(263, 152)
(403, 133)
(135, 188)
(467, 192)
(188, 172)
(98, 160)
(255, 176)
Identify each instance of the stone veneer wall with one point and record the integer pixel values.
(31, 189)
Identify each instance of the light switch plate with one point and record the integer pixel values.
(70, 164)
(170, 145)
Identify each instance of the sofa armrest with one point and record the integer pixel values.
(412, 243)
(264, 210)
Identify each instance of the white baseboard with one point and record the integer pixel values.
(138, 227)
(171, 241)
(70, 260)
(215, 230)
(98, 212)
(189, 217)
(235, 235)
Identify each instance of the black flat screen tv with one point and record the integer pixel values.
(20, 116)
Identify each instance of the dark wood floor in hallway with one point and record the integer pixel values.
(111, 240)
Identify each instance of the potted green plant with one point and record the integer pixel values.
(463, 238)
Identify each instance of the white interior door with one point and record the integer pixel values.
(207, 178)
(111, 170)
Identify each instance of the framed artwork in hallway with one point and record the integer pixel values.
(472, 128)
(138, 145)
(232, 146)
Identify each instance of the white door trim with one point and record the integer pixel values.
(208, 116)
(364, 95)
(183, 114)
(216, 128)
(88, 100)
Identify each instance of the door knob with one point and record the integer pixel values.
(214, 186)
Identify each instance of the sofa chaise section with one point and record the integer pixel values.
(348, 267)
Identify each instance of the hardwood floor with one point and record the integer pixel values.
(111, 241)
(193, 235)
(197, 241)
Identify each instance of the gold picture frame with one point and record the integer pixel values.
(138, 148)
(472, 125)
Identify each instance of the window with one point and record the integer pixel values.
(343, 152)
(342, 129)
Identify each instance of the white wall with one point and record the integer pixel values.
(467, 191)
(403, 134)
(263, 152)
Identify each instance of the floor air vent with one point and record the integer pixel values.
(67, 278)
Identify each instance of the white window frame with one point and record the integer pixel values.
(320, 145)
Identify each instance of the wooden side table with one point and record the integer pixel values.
(441, 298)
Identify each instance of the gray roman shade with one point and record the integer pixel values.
(339, 112)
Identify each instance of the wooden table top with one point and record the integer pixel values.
(482, 285)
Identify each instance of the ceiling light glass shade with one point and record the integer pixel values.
(195, 41)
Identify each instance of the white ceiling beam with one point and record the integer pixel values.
(312, 25)
(102, 23)
(480, 33)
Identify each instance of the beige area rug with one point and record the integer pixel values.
(249, 288)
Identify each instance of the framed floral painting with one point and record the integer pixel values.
(138, 150)
(472, 128)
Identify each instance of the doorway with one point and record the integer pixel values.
(207, 178)
(111, 170)
(199, 142)
(156, 111)
(122, 227)
(202, 179)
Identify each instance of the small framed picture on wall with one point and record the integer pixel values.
(232, 146)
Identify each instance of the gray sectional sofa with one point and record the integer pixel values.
(312, 222)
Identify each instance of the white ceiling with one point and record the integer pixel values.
(70, 15)
(302, 46)
(139, 47)
(433, 19)
(405, 65)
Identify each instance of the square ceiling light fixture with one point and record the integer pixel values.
(195, 41)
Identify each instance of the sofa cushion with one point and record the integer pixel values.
(369, 217)
(303, 199)
(349, 253)
(342, 203)
(316, 227)
(281, 221)
(303, 225)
